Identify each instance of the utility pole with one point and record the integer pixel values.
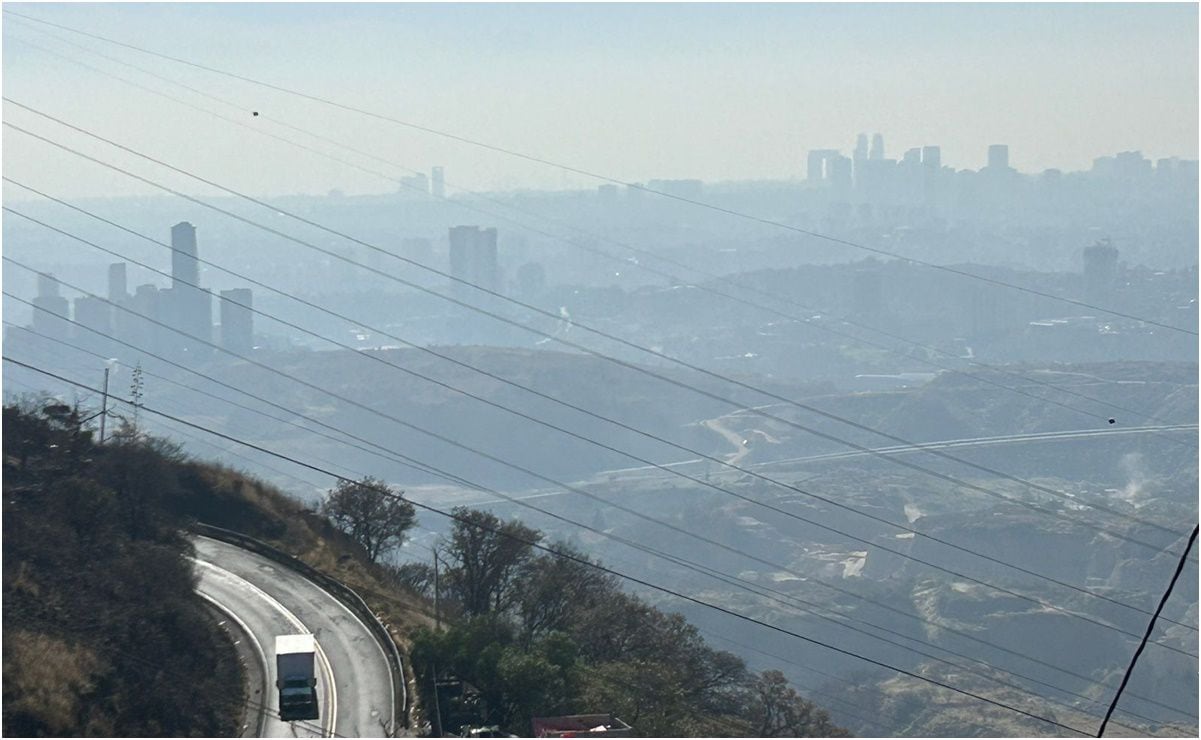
(434, 664)
(104, 406)
(437, 594)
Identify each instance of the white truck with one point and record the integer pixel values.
(295, 676)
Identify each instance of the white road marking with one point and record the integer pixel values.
(331, 689)
(258, 647)
(391, 682)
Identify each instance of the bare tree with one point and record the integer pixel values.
(371, 513)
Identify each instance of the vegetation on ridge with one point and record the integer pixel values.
(104, 634)
(536, 634)
(107, 637)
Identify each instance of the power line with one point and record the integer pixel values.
(185, 387)
(558, 401)
(738, 582)
(642, 370)
(83, 368)
(1150, 628)
(582, 561)
(822, 326)
(606, 178)
(560, 484)
(388, 455)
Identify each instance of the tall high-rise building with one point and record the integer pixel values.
(877, 151)
(47, 285)
(51, 311)
(186, 306)
(237, 320)
(438, 182)
(998, 156)
(860, 147)
(473, 256)
(184, 267)
(818, 164)
(136, 326)
(839, 173)
(118, 286)
(96, 314)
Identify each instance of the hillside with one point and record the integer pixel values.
(96, 572)
(103, 634)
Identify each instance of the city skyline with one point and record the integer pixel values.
(612, 92)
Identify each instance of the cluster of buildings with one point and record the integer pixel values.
(175, 322)
(418, 184)
(919, 177)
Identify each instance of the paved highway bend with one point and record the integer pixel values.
(355, 686)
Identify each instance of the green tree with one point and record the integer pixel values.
(486, 557)
(778, 711)
(371, 513)
(556, 591)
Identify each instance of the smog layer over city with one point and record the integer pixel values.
(493, 370)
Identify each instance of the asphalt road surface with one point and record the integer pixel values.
(354, 685)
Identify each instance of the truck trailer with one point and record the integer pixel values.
(295, 676)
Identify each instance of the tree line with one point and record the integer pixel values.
(532, 633)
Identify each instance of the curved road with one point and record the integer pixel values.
(354, 683)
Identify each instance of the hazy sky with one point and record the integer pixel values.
(735, 91)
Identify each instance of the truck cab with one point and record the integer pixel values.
(295, 676)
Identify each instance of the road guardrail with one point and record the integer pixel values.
(339, 590)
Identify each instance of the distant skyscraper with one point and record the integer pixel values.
(237, 320)
(414, 185)
(998, 156)
(146, 303)
(818, 167)
(96, 314)
(187, 307)
(912, 157)
(47, 285)
(438, 183)
(860, 147)
(877, 151)
(118, 287)
(184, 267)
(146, 300)
(932, 157)
(50, 310)
(1132, 165)
(839, 173)
(816, 170)
(473, 256)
